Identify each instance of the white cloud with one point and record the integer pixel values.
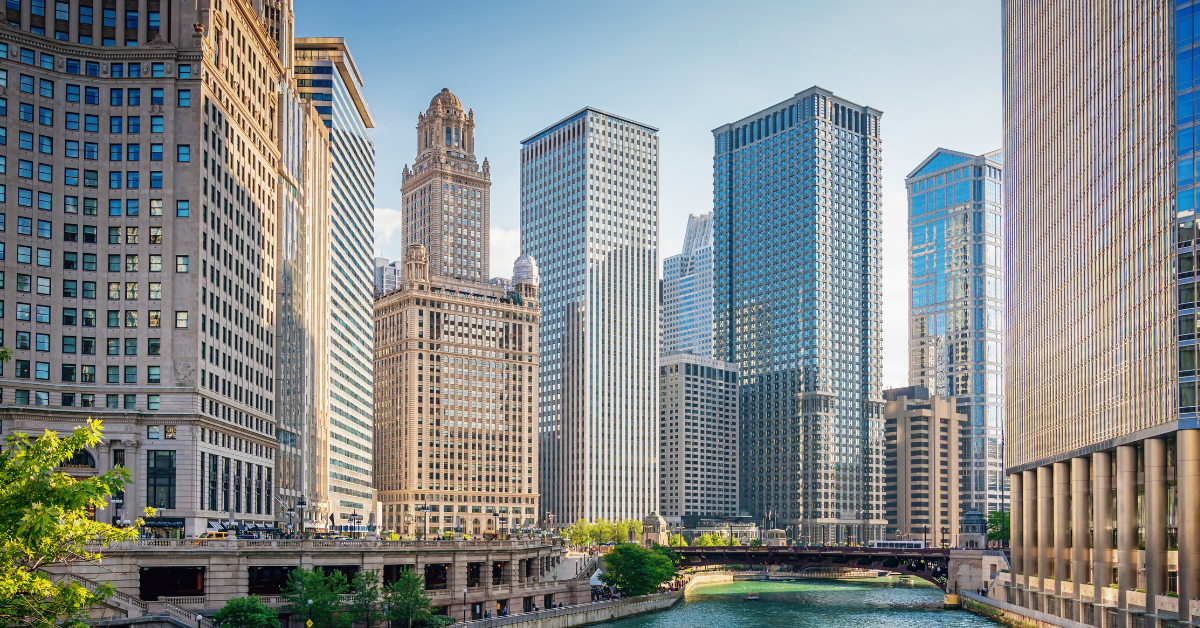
(505, 249)
(389, 236)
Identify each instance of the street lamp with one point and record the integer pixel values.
(464, 604)
(301, 503)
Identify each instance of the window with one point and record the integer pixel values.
(71, 232)
(155, 263)
(91, 124)
(43, 257)
(156, 96)
(152, 401)
(153, 346)
(24, 255)
(131, 263)
(160, 479)
(134, 125)
(68, 373)
(185, 71)
(71, 178)
(154, 317)
(37, 7)
(109, 17)
(26, 84)
(135, 96)
(22, 369)
(156, 235)
(114, 263)
(24, 198)
(156, 123)
(24, 140)
(185, 98)
(156, 152)
(24, 312)
(41, 370)
(155, 290)
(45, 145)
(25, 112)
(23, 283)
(24, 169)
(116, 97)
(131, 290)
(89, 234)
(91, 95)
(131, 206)
(69, 344)
(131, 235)
(181, 263)
(112, 374)
(115, 124)
(133, 152)
(62, 11)
(156, 70)
(156, 180)
(114, 181)
(114, 291)
(131, 21)
(88, 346)
(113, 346)
(90, 180)
(43, 286)
(45, 88)
(156, 207)
(181, 319)
(135, 70)
(89, 262)
(115, 152)
(70, 260)
(46, 61)
(152, 21)
(45, 173)
(153, 374)
(42, 314)
(131, 346)
(45, 116)
(87, 373)
(42, 342)
(89, 316)
(72, 90)
(91, 150)
(131, 317)
(184, 152)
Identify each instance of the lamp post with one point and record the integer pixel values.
(290, 513)
(199, 621)
(301, 503)
(464, 604)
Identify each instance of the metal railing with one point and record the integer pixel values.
(118, 598)
(517, 618)
(186, 617)
(268, 544)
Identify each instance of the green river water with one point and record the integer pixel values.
(882, 602)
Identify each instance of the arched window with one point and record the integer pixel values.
(82, 459)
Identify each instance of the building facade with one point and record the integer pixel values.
(456, 387)
(589, 214)
(956, 308)
(387, 276)
(327, 77)
(447, 193)
(925, 487)
(698, 437)
(1102, 448)
(687, 292)
(177, 353)
(797, 238)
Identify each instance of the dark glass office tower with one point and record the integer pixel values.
(797, 212)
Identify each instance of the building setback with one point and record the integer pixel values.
(956, 311)
(144, 285)
(687, 292)
(344, 498)
(797, 238)
(698, 437)
(924, 438)
(589, 214)
(456, 386)
(1102, 449)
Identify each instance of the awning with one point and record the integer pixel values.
(595, 581)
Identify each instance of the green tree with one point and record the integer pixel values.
(635, 570)
(316, 595)
(246, 612)
(677, 540)
(366, 605)
(407, 604)
(579, 533)
(603, 531)
(44, 522)
(997, 525)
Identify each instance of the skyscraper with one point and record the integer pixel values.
(956, 308)
(327, 76)
(589, 214)
(687, 295)
(797, 218)
(182, 266)
(387, 276)
(447, 194)
(1101, 442)
(698, 428)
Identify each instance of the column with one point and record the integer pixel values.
(1080, 526)
(1062, 525)
(1127, 540)
(1187, 473)
(1016, 526)
(1156, 520)
(1029, 497)
(1045, 524)
(1102, 523)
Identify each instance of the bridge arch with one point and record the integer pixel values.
(932, 564)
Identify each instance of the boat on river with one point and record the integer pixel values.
(753, 597)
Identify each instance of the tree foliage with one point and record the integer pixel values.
(366, 606)
(316, 595)
(246, 612)
(44, 522)
(583, 532)
(635, 570)
(407, 604)
(997, 525)
(677, 540)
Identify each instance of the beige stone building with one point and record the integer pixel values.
(143, 165)
(455, 390)
(924, 469)
(447, 194)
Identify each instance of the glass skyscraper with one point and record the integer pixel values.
(956, 308)
(797, 213)
(589, 215)
(687, 294)
(327, 76)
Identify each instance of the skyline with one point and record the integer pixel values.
(958, 45)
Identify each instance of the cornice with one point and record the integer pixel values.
(166, 52)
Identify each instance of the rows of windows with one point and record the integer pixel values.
(87, 317)
(116, 401)
(84, 24)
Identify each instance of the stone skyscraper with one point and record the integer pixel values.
(956, 305)
(327, 76)
(687, 294)
(589, 214)
(447, 194)
(797, 212)
(1102, 446)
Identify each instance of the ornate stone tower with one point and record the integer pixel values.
(447, 194)
(416, 264)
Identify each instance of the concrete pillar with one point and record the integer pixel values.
(1080, 526)
(1127, 539)
(1016, 541)
(1156, 520)
(1102, 485)
(1187, 474)
(1045, 524)
(1029, 497)
(1062, 524)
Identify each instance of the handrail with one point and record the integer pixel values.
(548, 613)
(91, 585)
(187, 617)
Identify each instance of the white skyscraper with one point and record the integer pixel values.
(589, 215)
(687, 299)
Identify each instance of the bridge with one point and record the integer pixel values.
(932, 564)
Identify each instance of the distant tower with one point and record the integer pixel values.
(446, 194)
(525, 278)
(687, 292)
(416, 263)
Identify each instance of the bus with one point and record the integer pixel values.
(897, 544)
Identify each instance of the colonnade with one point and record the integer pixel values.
(1111, 539)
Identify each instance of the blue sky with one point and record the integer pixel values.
(933, 68)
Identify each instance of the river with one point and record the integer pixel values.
(882, 603)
